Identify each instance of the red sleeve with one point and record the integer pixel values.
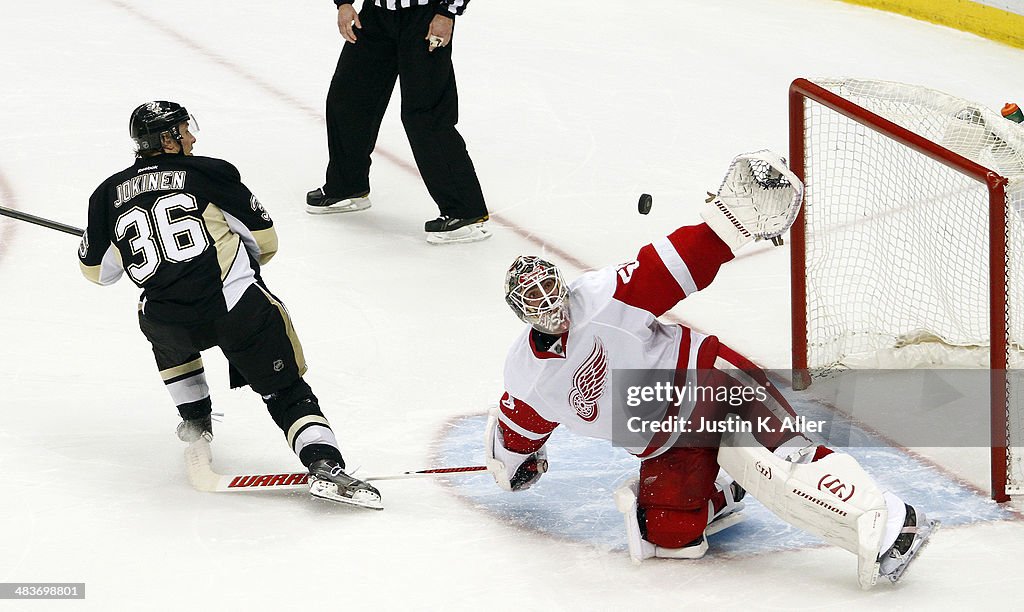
(672, 268)
(523, 430)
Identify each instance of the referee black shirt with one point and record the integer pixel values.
(448, 8)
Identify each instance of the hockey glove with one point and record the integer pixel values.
(512, 471)
(759, 198)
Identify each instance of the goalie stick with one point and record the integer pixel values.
(198, 468)
(430, 472)
(21, 216)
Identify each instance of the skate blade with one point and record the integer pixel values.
(470, 233)
(350, 205)
(725, 522)
(329, 491)
(901, 571)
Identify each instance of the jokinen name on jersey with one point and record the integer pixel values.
(151, 181)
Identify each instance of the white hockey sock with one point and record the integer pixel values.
(317, 433)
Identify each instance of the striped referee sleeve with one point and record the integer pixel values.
(448, 8)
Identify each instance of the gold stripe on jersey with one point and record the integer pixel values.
(300, 359)
(107, 271)
(91, 272)
(185, 368)
(225, 240)
(293, 431)
(266, 240)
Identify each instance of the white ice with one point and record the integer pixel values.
(571, 109)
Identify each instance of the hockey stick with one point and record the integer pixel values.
(21, 216)
(469, 469)
(198, 468)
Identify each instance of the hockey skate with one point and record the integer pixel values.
(191, 430)
(318, 203)
(917, 530)
(448, 230)
(731, 513)
(328, 480)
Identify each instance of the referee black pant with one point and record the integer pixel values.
(391, 45)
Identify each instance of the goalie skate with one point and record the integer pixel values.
(917, 531)
(732, 513)
(328, 480)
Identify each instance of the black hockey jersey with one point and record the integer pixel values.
(185, 229)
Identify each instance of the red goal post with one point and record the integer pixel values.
(861, 147)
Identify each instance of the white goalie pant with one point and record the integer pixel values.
(832, 497)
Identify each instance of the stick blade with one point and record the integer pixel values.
(198, 461)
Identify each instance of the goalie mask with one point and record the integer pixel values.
(150, 121)
(537, 293)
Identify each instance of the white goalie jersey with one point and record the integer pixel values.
(614, 314)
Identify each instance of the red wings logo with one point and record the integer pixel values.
(588, 383)
(532, 276)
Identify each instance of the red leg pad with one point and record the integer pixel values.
(674, 491)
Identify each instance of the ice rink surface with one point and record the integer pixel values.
(570, 109)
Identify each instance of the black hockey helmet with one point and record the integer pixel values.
(150, 120)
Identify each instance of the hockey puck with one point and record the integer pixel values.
(644, 205)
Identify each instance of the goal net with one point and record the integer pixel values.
(909, 251)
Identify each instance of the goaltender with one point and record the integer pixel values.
(559, 372)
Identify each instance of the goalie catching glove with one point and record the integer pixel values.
(511, 470)
(759, 199)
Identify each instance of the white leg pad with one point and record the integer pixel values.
(625, 501)
(639, 548)
(833, 497)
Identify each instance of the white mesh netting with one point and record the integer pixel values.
(898, 243)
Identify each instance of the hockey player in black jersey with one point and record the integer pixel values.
(193, 237)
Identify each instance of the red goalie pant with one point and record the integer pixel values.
(677, 486)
